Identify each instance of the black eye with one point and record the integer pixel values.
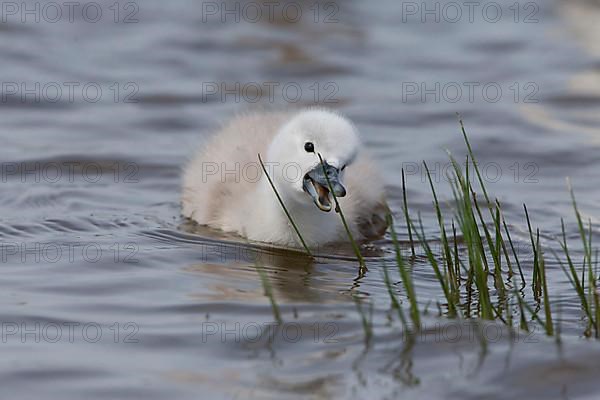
(343, 168)
(309, 147)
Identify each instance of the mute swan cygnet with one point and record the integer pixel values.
(224, 186)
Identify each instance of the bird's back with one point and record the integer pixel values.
(226, 168)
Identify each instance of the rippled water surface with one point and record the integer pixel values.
(106, 292)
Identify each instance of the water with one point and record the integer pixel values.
(107, 292)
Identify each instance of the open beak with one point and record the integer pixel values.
(315, 184)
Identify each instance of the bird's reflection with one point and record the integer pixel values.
(329, 276)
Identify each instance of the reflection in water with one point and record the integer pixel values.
(294, 275)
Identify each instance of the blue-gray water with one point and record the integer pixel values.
(106, 293)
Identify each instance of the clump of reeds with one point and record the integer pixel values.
(590, 302)
(482, 271)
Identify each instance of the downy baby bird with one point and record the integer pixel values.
(224, 186)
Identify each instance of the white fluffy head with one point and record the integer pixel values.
(333, 136)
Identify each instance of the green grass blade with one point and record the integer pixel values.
(444, 237)
(284, 207)
(338, 209)
(434, 264)
(395, 303)
(512, 246)
(542, 269)
(406, 277)
(406, 216)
